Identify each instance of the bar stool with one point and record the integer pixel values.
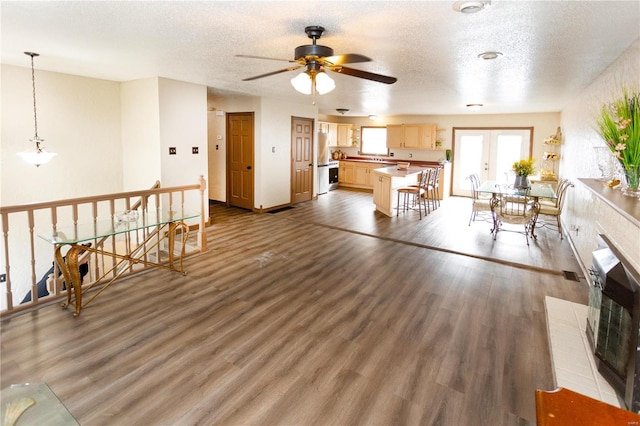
(416, 192)
(432, 189)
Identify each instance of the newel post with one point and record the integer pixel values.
(202, 238)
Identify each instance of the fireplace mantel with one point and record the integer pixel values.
(626, 206)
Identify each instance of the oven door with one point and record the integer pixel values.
(333, 177)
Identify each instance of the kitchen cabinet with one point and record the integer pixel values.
(338, 134)
(363, 174)
(331, 130)
(357, 174)
(386, 182)
(411, 136)
(382, 193)
(344, 134)
(346, 173)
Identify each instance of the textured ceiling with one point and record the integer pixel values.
(551, 49)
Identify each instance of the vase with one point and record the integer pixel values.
(522, 182)
(632, 175)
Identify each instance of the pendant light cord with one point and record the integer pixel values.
(33, 82)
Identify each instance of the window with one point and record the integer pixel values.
(373, 141)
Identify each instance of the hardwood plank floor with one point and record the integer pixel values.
(328, 314)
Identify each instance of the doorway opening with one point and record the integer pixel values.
(489, 153)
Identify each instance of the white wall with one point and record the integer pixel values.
(79, 119)
(105, 134)
(140, 134)
(272, 132)
(219, 104)
(183, 125)
(579, 160)
(273, 169)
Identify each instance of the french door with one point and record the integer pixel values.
(490, 153)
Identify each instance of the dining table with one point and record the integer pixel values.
(535, 191)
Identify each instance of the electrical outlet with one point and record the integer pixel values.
(194, 150)
(391, 154)
(3, 278)
(172, 150)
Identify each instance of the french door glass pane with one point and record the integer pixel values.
(471, 147)
(508, 151)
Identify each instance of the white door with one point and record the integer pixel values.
(490, 153)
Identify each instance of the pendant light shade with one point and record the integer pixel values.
(40, 155)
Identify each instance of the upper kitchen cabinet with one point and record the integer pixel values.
(331, 130)
(338, 134)
(345, 134)
(415, 136)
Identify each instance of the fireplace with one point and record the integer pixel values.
(613, 323)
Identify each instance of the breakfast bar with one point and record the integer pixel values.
(386, 181)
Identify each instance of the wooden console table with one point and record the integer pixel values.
(563, 407)
(150, 228)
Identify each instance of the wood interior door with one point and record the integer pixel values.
(301, 159)
(240, 159)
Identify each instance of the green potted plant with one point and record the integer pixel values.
(619, 126)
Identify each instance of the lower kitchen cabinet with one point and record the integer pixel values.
(357, 174)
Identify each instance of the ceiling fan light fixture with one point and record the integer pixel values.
(470, 6)
(488, 56)
(302, 83)
(474, 107)
(324, 83)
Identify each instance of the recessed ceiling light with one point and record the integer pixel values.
(489, 55)
(474, 107)
(470, 6)
(373, 117)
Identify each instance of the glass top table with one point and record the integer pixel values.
(536, 190)
(34, 404)
(144, 250)
(127, 222)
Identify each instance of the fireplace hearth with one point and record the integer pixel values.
(613, 324)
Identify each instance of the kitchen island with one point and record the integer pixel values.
(386, 181)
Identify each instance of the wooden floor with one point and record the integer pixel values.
(325, 314)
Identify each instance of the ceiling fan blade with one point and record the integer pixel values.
(364, 74)
(262, 57)
(295, 67)
(348, 58)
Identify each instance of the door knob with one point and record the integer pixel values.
(310, 164)
(248, 167)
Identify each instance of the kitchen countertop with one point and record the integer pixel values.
(393, 171)
(388, 161)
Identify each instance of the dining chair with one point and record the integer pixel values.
(416, 193)
(480, 203)
(555, 209)
(514, 209)
(433, 184)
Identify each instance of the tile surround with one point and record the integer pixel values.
(574, 365)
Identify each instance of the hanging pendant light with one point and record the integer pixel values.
(40, 155)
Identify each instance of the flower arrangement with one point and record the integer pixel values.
(619, 125)
(523, 167)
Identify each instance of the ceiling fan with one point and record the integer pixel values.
(316, 59)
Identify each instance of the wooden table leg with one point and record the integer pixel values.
(71, 273)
